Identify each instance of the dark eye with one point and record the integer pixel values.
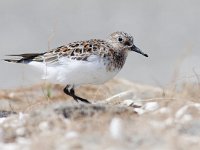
(120, 39)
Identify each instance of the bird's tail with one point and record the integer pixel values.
(23, 58)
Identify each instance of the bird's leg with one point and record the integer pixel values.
(77, 97)
(70, 91)
(67, 90)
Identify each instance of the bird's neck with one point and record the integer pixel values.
(118, 60)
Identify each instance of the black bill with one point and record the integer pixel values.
(137, 50)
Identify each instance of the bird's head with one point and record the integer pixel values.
(124, 41)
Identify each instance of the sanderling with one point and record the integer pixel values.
(93, 61)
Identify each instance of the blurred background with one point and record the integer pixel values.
(166, 30)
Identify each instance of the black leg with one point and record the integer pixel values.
(70, 92)
(77, 97)
(67, 91)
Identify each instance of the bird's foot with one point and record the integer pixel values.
(70, 91)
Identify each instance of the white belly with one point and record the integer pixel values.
(76, 72)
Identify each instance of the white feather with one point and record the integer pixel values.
(76, 72)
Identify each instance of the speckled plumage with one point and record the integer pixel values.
(83, 62)
(82, 50)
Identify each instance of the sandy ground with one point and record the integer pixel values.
(123, 115)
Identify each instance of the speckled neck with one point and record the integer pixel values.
(117, 61)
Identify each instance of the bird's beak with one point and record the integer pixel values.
(137, 50)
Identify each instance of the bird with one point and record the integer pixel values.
(93, 61)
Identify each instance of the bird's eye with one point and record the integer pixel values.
(120, 39)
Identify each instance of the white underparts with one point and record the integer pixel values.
(75, 72)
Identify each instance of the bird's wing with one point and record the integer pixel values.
(81, 50)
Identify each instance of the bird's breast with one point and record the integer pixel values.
(117, 61)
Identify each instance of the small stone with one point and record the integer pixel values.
(140, 111)
(2, 120)
(71, 135)
(116, 128)
(44, 126)
(128, 102)
(151, 106)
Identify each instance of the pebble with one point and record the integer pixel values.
(44, 126)
(71, 135)
(151, 106)
(116, 129)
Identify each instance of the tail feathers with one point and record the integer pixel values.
(13, 60)
(25, 58)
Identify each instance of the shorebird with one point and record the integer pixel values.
(92, 61)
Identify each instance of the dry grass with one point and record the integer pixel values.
(123, 115)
